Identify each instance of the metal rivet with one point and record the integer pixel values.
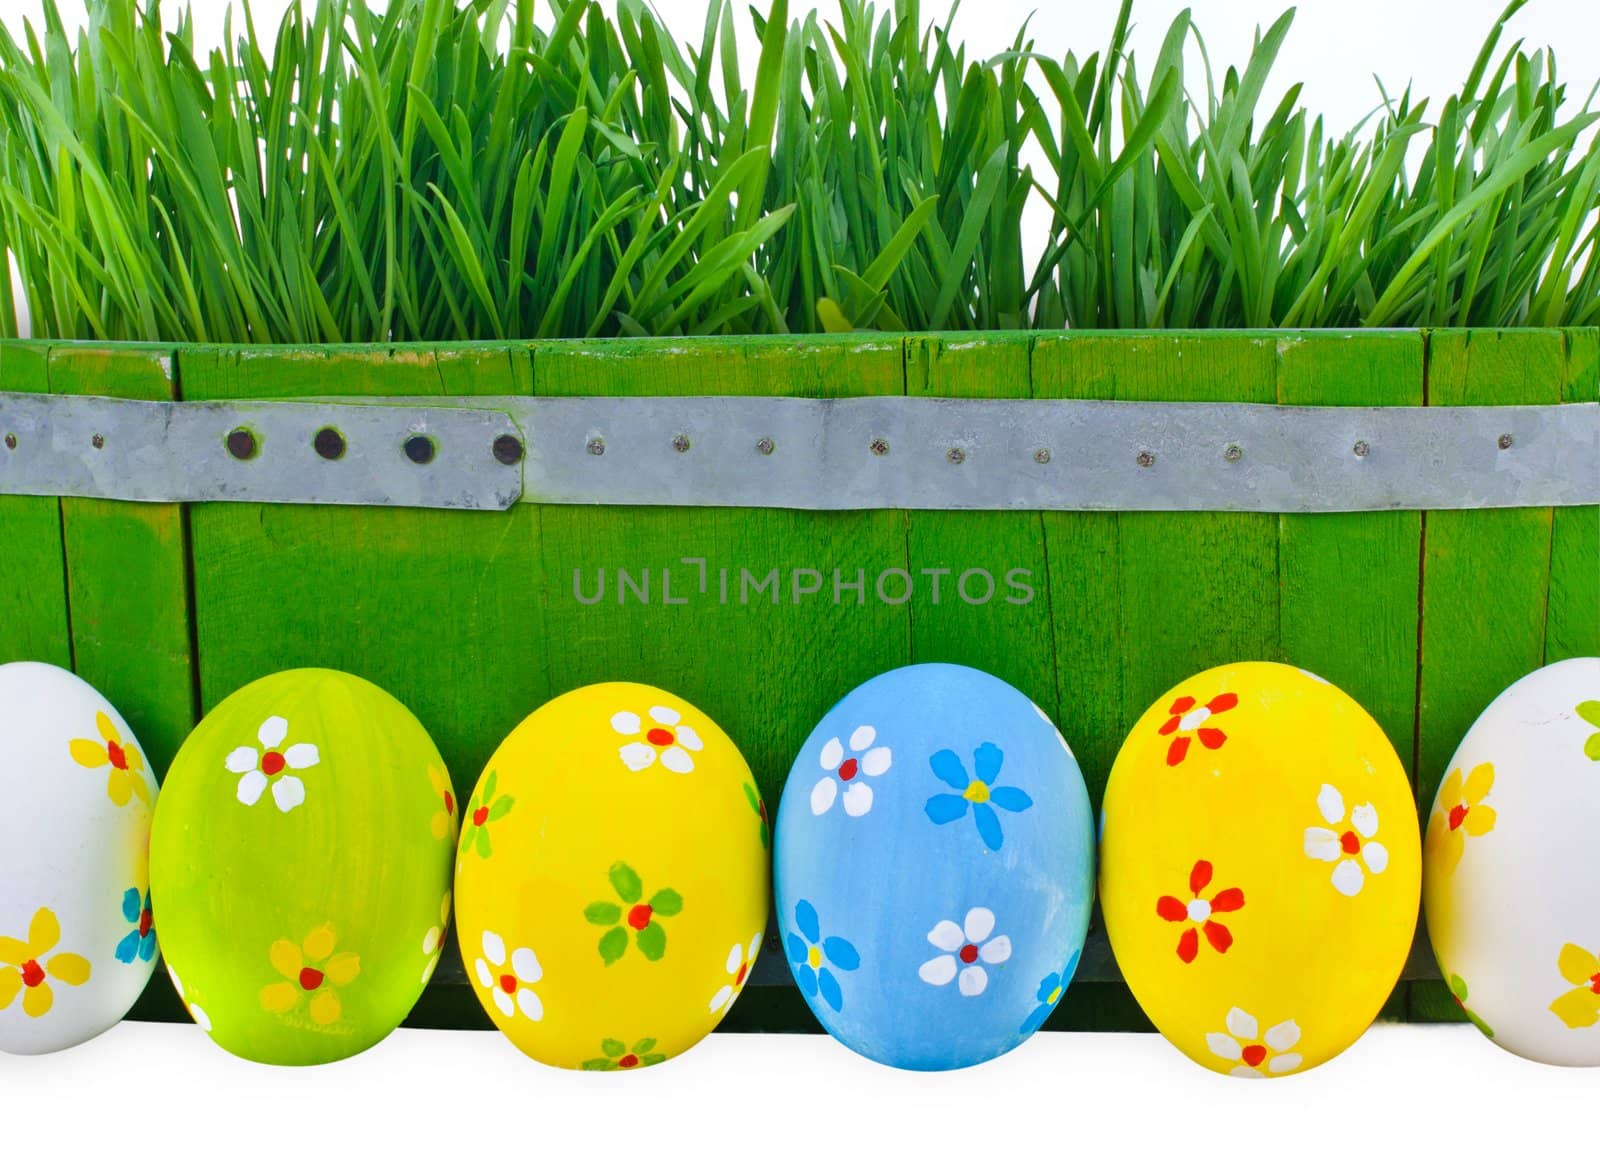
(955, 456)
(1145, 459)
(241, 444)
(1361, 448)
(507, 449)
(97, 440)
(597, 447)
(420, 449)
(680, 443)
(1505, 440)
(1042, 456)
(765, 446)
(880, 447)
(329, 443)
(1232, 453)
(11, 440)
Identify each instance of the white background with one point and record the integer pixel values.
(1423, 1092)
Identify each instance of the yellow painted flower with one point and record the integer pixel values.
(444, 820)
(24, 967)
(127, 776)
(1581, 1006)
(311, 969)
(1459, 812)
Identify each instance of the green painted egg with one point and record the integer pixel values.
(300, 867)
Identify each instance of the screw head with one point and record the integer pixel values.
(597, 447)
(1361, 448)
(1232, 453)
(956, 455)
(765, 446)
(241, 444)
(97, 440)
(680, 443)
(329, 443)
(1042, 456)
(11, 440)
(880, 447)
(1145, 459)
(507, 449)
(420, 449)
(1505, 440)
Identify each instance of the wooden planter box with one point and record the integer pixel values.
(471, 620)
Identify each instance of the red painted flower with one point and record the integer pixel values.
(1198, 912)
(1189, 720)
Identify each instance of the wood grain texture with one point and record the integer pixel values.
(1572, 623)
(33, 599)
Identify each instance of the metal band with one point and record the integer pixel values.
(855, 453)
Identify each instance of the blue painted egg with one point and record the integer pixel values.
(934, 867)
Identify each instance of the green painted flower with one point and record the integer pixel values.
(484, 810)
(640, 916)
(1459, 989)
(760, 809)
(1589, 712)
(618, 1056)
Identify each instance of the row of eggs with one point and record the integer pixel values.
(1260, 869)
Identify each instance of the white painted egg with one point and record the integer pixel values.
(1508, 862)
(77, 940)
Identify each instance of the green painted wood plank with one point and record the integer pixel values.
(1572, 624)
(33, 599)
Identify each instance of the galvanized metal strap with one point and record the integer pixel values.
(848, 453)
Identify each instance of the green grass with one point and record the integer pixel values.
(501, 169)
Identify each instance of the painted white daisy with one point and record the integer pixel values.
(667, 740)
(258, 768)
(507, 980)
(1256, 1055)
(844, 771)
(1347, 844)
(964, 946)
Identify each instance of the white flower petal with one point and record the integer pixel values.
(735, 959)
(1243, 1071)
(1347, 877)
(1283, 1063)
(502, 1000)
(996, 951)
(1282, 1036)
(832, 755)
(666, 716)
(274, 731)
(200, 1018)
(823, 794)
(690, 738)
(430, 940)
(251, 787)
(1242, 1025)
(494, 948)
(242, 760)
(754, 946)
(861, 738)
(1321, 844)
(1376, 856)
(678, 760)
(301, 756)
(721, 998)
(1364, 819)
(979, 924)
(485, 975)
(1224, 1047)
(876, 761)
(947, 935)
(938, 970)
(973, 981)
(530, 1005)
(857, 799)
(526, 966)
(427, 970)
(1331, 804)
(625, 723)
(289, 793)
(637, 756)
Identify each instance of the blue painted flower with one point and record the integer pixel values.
(811, 955)
(980, 792)
(1050, 991)
(141, 943)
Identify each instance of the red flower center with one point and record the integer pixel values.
(271, 763)
(1594, 983)
(738, 978)
(449, 804)
(310, 979)
(146, 922)
(508, 983)
(1351, 843)
(639, 916)
(968, 954)
(119, 757)
(32, 975)
(1254, 1055)
(848, 769)
(479, 816)
(628, 1061)
(1458, 816)
(659, 736)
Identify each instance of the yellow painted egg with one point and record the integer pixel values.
(1260, 868)
(611, 881)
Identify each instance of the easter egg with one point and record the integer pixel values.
(300, 865)
(77, 939)
(934, 867)
(1260, 868)
(1511, 905)
(611, 883)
